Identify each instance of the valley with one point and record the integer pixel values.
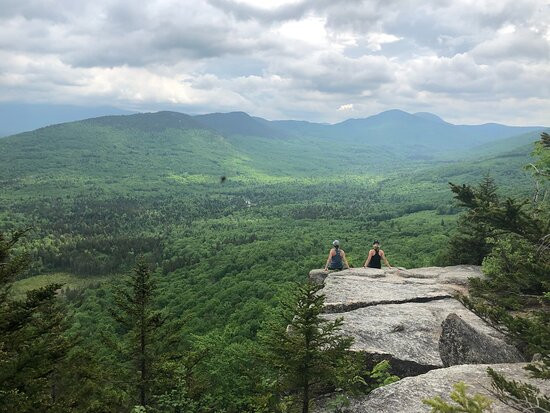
(99, 193)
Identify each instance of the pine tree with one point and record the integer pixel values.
(472, 239)
(32, 338)
(463, 403)
(514, 295)
(307, 352)
(133, 310)
(521, 397)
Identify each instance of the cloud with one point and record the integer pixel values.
(469, 61)
(346, 107)
(519, 45)
(334, 73)
(376, 40)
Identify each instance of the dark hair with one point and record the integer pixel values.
(376, 241)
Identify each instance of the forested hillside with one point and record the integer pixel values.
(230, 209)
(99, 190)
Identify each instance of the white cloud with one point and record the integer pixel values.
(347, 107)
(268, 4)
(472, 61)
(507, 29)
(376, 40)
(310, 30)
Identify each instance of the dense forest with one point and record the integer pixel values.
(150, 255)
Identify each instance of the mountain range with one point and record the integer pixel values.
(237, 144)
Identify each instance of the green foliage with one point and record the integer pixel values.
(307, 353)
(512, 295)
(540, 369)
(338, 403)
(32, 341)
(101, 192)
(519, 396)
(462, 402)
(380, 376)
(89, 383)
(511, 265)
(133, 310)
(542, 165)
(224, 373)
(366, 382)
(472, 240)
(176, 399)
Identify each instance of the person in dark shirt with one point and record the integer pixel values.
(376, 255)
(336, 258)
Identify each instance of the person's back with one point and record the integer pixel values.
(336, 258)
(375, 257)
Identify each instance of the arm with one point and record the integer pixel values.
(328, 259)
(345, 259)
(371, 253)
(385, 259)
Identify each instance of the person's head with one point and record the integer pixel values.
(376, 245)
(336, 244)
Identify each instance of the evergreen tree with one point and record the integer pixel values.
(308, 353)
(133, 310)
(461, 402)
(513, 293)
(514, 296)
(472, 240)
(32, 340)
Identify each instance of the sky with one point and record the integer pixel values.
(469, 61)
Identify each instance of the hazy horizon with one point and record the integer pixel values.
(18, 118)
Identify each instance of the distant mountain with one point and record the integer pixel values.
(163, 144)
(22, 117)
(149, 122)
(427, 133)
(519, 145)
(302, 127)
(421, 134)
(494, 131)
(429, 116)
(240, 123)
(147, 144)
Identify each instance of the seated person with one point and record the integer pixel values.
(375, 256)
(336, 258)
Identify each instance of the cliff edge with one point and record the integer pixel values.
(413, 318)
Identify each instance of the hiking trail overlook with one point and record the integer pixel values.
(412, 318)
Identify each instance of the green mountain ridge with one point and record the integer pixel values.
(236, 144)
(518, 145)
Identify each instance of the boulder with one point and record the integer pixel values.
(409, 331)
(460, 343)
(349, 292)
(411, 318)
(364, 272)
(456, 274)
(319, 275)
(406, 395)
(400, 314)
